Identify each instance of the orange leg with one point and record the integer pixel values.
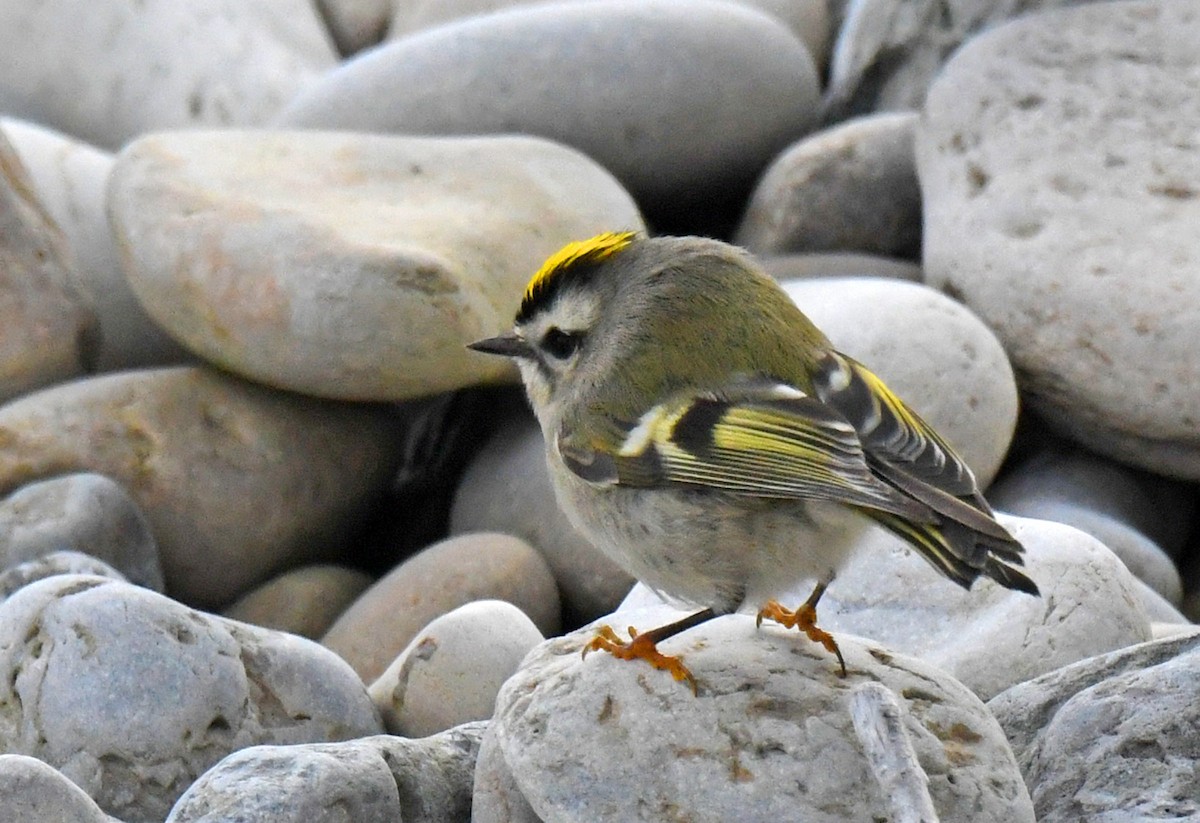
(806, 618)
(643, 646)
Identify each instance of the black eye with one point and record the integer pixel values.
(561, 344)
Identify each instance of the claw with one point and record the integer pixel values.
(805, 618)
(639, 647)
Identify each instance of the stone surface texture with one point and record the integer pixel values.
(1112, 737)
(86, 513)
(157, 65)
(850, 188)
(50, 329)
(132, 695)
(304, 601)
(382, 779)
(768, 736)
(1058, 161)
(32, 791)
(69, 178)
(450, 673)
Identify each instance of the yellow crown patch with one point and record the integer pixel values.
(592, 250)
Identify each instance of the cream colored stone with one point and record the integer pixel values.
(236, 480)
(350, 266)
(384, 620)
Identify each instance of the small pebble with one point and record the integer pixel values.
(851, 188)
(80, 513)
(449, 674)
(383, 621)
(304, 601)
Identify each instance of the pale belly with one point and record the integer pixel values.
(710, 549)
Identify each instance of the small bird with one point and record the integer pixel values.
(704, 434)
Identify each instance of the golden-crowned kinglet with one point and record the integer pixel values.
(702, 432)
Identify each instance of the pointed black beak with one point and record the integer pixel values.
(505, 345)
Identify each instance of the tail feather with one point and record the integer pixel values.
(961, 553)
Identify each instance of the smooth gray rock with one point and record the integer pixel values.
(990, 637)
(438, 579)
(33, 792)
(488, 499)
(108, 70)
(1058, 174)
(888, 51)
(132, 695)
(1111, 738)
(1146, 560)
(837, 264)
(807, 19)
(770, 736)
(50, 329)
(380, 779)
(350, 266)
(69, 178)
(86, 513)
(931, 351)
(236, 480)
(1061, 474)
(850, 188)
(496, 797)
(48, 565)
(715, 91)
(449, 674)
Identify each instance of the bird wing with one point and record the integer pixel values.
(901, 447)
(757, 438)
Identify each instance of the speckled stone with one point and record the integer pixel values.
(769, 736)
(1058, 173)
(107, 70)
(132, 695)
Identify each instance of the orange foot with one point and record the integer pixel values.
(806, 618)
(639, 647)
